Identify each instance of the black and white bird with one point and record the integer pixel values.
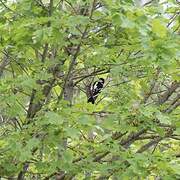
(95, 90)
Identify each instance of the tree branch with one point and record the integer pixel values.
(74, 57)
(168, 93)
(4, 63)
(149, 144)
(44, 54)
(146, 97)
(174, 104)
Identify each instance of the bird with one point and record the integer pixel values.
(95, 90)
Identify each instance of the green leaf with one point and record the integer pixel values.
(53, 118)
(116, 19)
(163, 118)
(68, 156)
(85, 120)
(72, 132)
(127, 23)
(159, 28)
(38, 36)
(34, 142)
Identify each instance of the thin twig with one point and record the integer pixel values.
(15, 12)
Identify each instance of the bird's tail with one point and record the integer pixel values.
(91, 99)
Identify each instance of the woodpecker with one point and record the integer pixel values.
(95, 90)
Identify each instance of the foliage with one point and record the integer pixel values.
(51, 51)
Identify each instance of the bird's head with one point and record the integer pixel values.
(101, 80)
